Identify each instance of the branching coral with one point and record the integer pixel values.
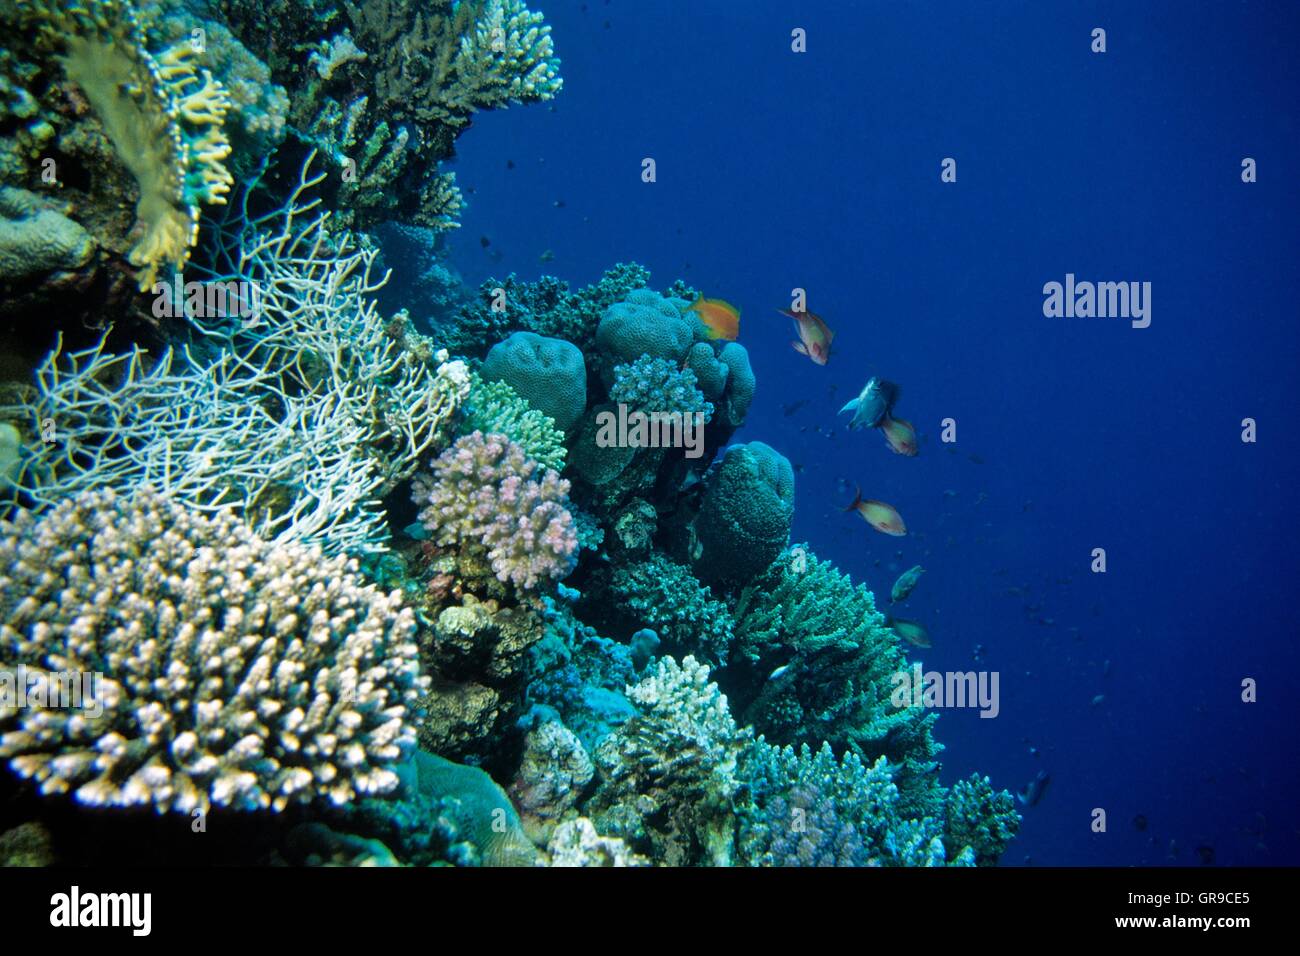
(805, 809)
(839, 659)
(655, 384)
(483, 495)
(495, 407)
(668, 775)
(660, 594)
(234, 672)
(308, 413)
(163, 117)
(440, 61)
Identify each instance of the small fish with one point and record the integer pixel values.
(780, 672)
(1206, 853)
(905, 583)
(792, 407)
(873, 403)
(721, 319)
(900, 435)
(814, 336)
(1032, 792)
(1098, 700)
(910, 631)
(484, 241)
(546, 256)
(879, 515)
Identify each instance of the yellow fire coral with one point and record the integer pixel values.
(163, 117)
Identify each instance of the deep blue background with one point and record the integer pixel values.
(821, 170)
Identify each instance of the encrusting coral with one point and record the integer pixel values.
(234, 673)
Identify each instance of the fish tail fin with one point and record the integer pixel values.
(857, 498)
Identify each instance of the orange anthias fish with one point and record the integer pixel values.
(910, 631)
(879, 515)
(814, 336)
(722, 319)
(901, 435)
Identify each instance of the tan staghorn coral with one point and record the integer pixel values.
(234, 673)
(163, 116)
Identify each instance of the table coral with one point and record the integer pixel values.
(234, 672)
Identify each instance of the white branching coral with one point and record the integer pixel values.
(233, 672)
(310, 411)
(507, 56)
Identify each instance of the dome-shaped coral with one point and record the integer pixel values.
(548, 373)
(744, 520)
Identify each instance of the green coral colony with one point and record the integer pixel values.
(371, 579)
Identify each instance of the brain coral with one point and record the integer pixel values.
(548, 373)
(234, 672)
(644, 323)
(744, 520)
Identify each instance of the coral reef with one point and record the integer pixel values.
(234, 672)
(377, 575)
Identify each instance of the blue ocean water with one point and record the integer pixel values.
(821, 170)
